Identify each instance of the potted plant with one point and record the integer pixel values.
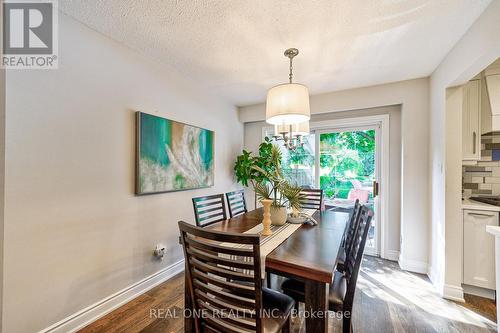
(265, 174)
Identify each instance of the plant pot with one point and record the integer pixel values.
(266, 221)
(278, 215)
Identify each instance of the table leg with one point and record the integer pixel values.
(316, 307)
(188, 320)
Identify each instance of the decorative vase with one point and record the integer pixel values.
(266, 221)
(278, 215)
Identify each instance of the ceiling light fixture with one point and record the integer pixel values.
(287, 107)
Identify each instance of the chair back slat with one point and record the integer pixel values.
(235, 288)
(351, 228)
(353, 260)
(311, 198)
(207, 268)
(236, 203)
(224, 295)
(199, 244)
(224, 278)
(214, 258)
(209, 210)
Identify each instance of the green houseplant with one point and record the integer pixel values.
(264, 173)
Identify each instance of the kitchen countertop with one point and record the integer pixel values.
(475, 205)
(494, 230)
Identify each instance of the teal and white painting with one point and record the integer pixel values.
(172, 156)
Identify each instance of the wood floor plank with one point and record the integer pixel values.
(387, 300)
(125, 317)
(165, 325)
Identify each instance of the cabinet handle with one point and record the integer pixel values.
(474, 143)
(479, 214)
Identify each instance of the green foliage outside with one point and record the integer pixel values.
(301, 156)
(346, 156)
(298, 164)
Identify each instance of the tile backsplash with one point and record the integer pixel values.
(483, 179)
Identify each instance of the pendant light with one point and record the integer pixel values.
(288, 103)
(287, 108)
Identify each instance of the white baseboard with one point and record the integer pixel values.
(453, 293)
(392, 255)
(97, 310)
(478, 291)
(432, 275)
(414, 266)
(436, 283)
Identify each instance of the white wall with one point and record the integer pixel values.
(253, 137)
(74, 230)
(479, 47)
(413, 97)
(453, 162)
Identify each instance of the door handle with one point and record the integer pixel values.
(375, 188)
(479, 214)
(474, 143)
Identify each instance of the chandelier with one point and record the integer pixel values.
(287, 108)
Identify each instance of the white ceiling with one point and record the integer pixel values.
(235, 47)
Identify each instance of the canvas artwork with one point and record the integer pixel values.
(172, 156)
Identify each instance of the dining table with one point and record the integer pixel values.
(309, 254)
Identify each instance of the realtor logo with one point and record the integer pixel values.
(29, 34)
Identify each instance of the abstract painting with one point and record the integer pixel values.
(172, 156)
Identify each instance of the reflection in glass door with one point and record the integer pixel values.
(299, 164)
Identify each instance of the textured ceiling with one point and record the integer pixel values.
(235, 47)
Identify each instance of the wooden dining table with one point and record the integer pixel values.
(309, 254)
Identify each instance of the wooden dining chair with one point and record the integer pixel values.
(347, 238)
(236, 203)
(311, 198)
(209, 210)
(343, 286)
(223, 273)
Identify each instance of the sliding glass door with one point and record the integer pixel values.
(347, 170)
(345, 163)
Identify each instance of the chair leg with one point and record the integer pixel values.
(287, 325)
(346, 324)
(268, 279)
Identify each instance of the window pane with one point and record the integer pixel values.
(347, 163)
(298, 164)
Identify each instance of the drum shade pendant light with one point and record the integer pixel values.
(287, 108)
(288, 103)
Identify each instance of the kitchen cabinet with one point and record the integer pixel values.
(479, 248)
(471, 121)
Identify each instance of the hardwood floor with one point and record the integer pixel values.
(390, 300)
(483, 306)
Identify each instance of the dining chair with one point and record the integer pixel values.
(223, 273)
(347, 238)
(236, 203)
(209, 210)
(341, 294)
(343, 287)
(311, 198)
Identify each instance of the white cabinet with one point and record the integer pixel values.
(471, 121)
(479, 249)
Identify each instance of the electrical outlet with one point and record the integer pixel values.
(159, 251)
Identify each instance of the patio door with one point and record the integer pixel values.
(348, 168)
(348, 159)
